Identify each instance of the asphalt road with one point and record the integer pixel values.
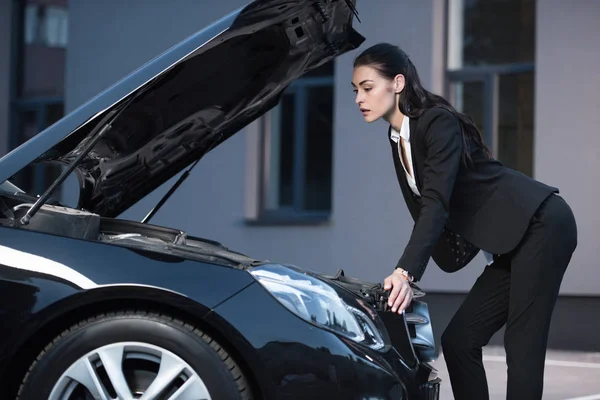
(568, 375)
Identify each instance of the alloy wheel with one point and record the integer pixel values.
(128, 371)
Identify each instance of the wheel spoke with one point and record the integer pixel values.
(170, 368)
(102, 373)
(112, 360)
(84, 373)
(192, 389)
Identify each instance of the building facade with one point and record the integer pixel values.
(311, 183)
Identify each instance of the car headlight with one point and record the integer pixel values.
(318, 303)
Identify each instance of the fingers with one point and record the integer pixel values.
(396, 286)
(407, 300)
(387, 283)
(401, 294)
(401, 284)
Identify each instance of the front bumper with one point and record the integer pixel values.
(289, 358)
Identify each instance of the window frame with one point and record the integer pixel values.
(489, 75)
(296, 214)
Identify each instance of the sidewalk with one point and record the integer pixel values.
(568, 375)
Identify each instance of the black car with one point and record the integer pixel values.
(96, 307)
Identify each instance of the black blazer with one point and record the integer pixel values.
(461, 211)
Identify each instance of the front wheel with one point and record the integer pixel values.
(134, 355)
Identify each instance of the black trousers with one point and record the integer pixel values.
(520, 290)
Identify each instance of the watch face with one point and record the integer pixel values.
(406, 274)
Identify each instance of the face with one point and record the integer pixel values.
(376, 95)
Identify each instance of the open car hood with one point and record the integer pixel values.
(180, 105)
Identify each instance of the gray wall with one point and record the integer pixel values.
(370, 223)
(111, 38)
(5, 82)
(568, 123)
(362, 237)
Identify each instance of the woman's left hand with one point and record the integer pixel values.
(401, 294)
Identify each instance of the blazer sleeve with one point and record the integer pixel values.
(442, 142)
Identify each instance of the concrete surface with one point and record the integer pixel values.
(568, 375)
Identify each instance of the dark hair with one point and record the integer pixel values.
(389, 61)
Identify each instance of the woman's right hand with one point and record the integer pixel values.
(401, 293)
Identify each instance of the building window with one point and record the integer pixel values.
(491, 58)
(297, 145)
(37, 101)
(45, 24)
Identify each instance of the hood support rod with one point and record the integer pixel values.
(172, 190)
(179, 181)
(101, 128)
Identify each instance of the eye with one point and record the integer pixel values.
(368, 89)
(355, 91)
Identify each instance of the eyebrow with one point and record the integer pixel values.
(366, 80)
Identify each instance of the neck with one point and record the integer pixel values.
(395, 119)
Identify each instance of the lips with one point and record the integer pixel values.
(364, 110)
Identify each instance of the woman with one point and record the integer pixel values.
(463, 201)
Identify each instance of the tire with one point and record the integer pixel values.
(133, 345)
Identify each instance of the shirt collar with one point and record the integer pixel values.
(404, 131)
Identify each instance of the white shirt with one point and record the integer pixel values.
(404, 135)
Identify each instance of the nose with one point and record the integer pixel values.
(359, 98)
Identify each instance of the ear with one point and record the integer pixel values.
(399, 82)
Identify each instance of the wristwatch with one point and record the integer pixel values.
(405, 274)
